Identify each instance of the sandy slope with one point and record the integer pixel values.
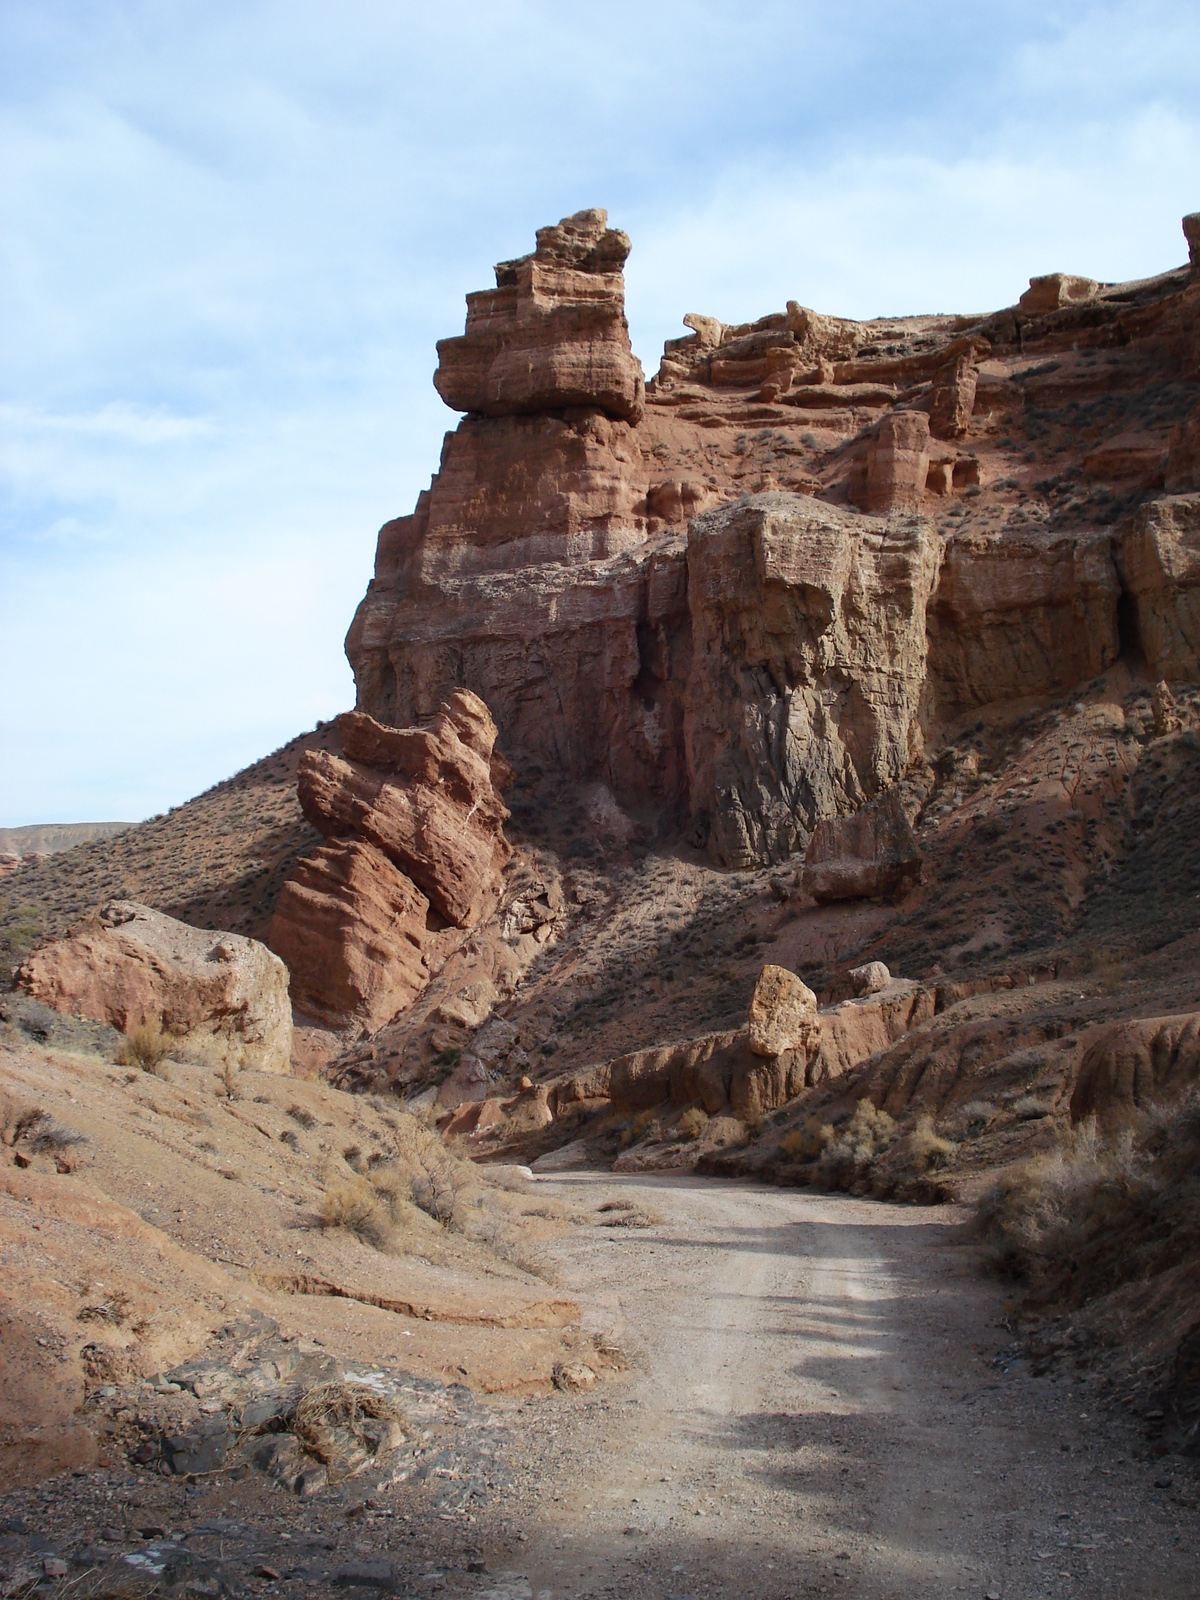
(815, 1408)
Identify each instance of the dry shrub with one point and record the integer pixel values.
(337, 1418)
(927, 1147)
(356, 1208)
(1096, 1212)
(974, 1118)
(692, 1123)
(38, 1131)
(303, 1117)
(638, 1125)
(145, 1046)
(228, 1087)
(807, 1143)
(855, 1147)
(1028, 1108)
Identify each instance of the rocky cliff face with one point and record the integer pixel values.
(749, 590)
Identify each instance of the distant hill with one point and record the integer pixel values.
(47, 838)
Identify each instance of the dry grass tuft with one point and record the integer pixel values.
(373, 1421)
(928, 1149)
(302, 1116)
(145, 1046)
(228, 1087)
(356, 1208)
(692, 1123)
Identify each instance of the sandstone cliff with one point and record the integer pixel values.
(958, 510)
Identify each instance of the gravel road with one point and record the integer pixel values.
(815, 1406)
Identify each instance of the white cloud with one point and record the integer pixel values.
(230, 237)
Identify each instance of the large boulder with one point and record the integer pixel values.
(1158, 553)
(424, 797)
(224, 996)
(869, 855)
(351, 928)
(782, 1015)
(808, 661)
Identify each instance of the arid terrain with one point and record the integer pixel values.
(691, 1087)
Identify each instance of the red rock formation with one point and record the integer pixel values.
(808, 661)
(897, 461)
(416, 822)
(351, 929)
(547, 567)
(1025, 613)
(552, 333)
(1158, 552)
(422, 796)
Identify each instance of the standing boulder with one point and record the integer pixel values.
(867, 855)
(783, 1013)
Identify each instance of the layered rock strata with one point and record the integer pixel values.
(221, 997)
(808, 661)
(549, 566)
(1158, 553)
(351, 928)
(415, 824)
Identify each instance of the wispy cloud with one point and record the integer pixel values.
(230, 236)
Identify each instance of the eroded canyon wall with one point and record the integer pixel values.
(750, 589)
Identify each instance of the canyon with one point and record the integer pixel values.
(784, 768)
(745, 593)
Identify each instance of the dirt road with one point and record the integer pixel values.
(814, 1407)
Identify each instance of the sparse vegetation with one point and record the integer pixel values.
(355, 1207)
(1098, 1211)
(145, 1046)
(692, 1123)
(228, 1087)
(928, 1149)
(806, 1143)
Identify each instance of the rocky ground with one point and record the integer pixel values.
(822, 1396)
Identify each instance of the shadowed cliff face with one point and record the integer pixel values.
(979, 504)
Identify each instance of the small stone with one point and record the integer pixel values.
(54, 1567)
(573, 1378)
(262, 1570)
(869, 978)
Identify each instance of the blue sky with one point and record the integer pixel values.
(230, 235)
